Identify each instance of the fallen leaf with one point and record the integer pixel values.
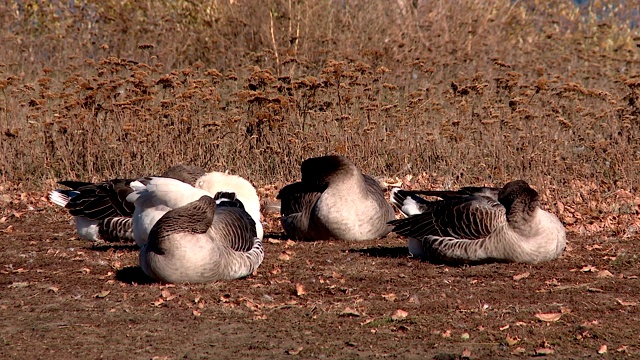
(553, 281)
(626, 303)
(446, 334)
(366, 322)
(399, 315)
(589, 268)
(549, 317)
(300, 290)
(604, 274)
(196, 312)
(519, 350)
(544, 351)
(521, 276)
(466, 353)
(512, 340)
(465, 336)
(284, 257)
(504, 327)
(602, 350)
(102, 294)
(389, 296)
(19, 284)
(274, 241)
(295, 351)
(349, 312)
(622, 348)
(53, 288)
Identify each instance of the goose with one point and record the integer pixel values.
(479, 224)
(334, 200)
(101, 210)
(205, 240)
(157, 195)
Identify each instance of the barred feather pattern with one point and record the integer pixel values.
(116, 229)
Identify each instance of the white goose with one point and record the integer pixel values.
(334, 200)
(479, 224)
(156, 196)
(101, 210)
(203, 241)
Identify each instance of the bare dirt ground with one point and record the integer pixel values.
(62, 297)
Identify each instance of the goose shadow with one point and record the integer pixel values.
(283, 236)
(114, 246)
(396, 252)
(402, 252)
(277, 236)
(133, 275)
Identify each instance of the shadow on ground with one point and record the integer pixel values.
(133, 275)
(385, 252)
(114, 246)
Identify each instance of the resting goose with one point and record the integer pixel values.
(101, 210)
(156, 196)
(479, 224)
(334, 200)
(203, 241)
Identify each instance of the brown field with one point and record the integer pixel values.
(429, 94)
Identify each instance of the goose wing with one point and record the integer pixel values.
(234, 226)
(463, 193)
(299, 197)
(98, 201)
(407, 203)
(469, 217)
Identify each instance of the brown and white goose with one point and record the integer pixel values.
(101, 210)
(479, 224)
(205, 240)
(334, 200)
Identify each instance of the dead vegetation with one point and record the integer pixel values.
(471, 93)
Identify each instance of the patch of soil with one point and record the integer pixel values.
(66, 298)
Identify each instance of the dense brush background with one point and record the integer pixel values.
(464, 92)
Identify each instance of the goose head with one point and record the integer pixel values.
(215, 182)
(186, 173)
(518, 199)
(325, 169)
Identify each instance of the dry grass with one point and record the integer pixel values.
(476, 92)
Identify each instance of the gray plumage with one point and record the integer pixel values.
(479, 224)
(202, 241)
(334, 200)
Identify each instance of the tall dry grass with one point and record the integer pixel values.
(469, 92)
